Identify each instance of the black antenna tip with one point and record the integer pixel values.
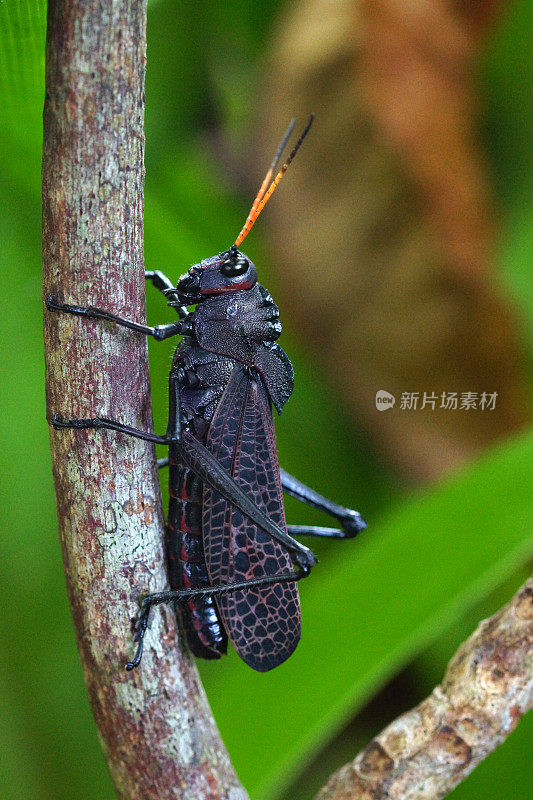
(310, 122)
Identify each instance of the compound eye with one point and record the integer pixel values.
(237, 264)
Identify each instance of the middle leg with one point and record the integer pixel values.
(351, 521)
(318, 530)
(204, 464)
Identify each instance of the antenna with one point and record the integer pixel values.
(263, 194)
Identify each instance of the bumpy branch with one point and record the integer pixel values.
(156, 727)
(425, 753)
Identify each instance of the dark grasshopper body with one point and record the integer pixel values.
(234, 563)
(237, 322)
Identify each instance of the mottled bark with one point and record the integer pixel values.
(425, 753)
(156, 728)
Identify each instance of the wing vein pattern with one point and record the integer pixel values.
(263, 623)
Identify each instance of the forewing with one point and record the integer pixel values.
(263, 623)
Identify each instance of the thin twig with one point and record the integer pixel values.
(425, 753)
(156, 727)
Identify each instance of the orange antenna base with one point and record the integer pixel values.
(264, 195)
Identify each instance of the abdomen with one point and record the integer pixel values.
(202, 378)
(185, 552)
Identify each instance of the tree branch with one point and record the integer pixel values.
(156, 727)
(426, 752)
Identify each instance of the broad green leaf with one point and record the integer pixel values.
(22, 34)
(377, 604)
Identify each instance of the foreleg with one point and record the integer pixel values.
(166, 287)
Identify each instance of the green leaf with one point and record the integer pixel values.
(22, 32)
(378, 603)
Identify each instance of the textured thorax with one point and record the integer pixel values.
(203, 378)
(243, 326)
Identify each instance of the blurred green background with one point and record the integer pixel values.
(379, 623)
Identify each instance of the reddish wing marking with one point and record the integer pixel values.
(263, 623)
